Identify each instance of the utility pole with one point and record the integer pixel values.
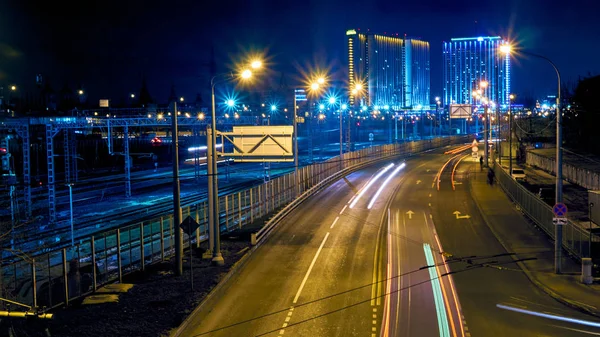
(176, 195)
(485, 133)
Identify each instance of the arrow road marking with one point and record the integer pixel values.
(410, 214)
(418, 182)
(458, 216)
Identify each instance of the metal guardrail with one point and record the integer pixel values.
(575, 239)
(56, 278)
(571, 173)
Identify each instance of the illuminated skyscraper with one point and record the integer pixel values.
(393, 70)
(467, 61)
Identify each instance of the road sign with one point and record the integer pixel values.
(475, 149)
(371, 136)
(460, 110)
(560, 210)
(189, 225)
(260, 143)
(559, 221)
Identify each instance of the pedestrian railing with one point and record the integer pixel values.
(571, 173)
(576, 241)
(55, 278)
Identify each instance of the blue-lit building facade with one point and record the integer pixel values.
(394, 71)
(467, 62)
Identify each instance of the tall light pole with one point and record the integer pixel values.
(507, 49)
(510, 134)
(176, 194)
(483, 85)
(213, 189)
(343, 108)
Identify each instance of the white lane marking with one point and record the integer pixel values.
(578, 330)
(334, 221)
(312, 264)
(343, 209)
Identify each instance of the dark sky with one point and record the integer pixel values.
(106, 46)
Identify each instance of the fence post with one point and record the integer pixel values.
(227, 212)
(162, 240)
(94, 274)
(239, 209)
(142, 255)
(65, 275)
(119, 254)
(251, 206)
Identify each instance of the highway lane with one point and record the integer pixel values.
(480, 282)
(419, 302)
(316, 272)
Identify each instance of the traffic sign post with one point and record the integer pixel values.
(560, 210)
(371, 137)
(189, 226)
(559, 221)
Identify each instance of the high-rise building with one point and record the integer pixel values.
(467, 62)
(393, 70)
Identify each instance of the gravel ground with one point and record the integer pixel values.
(157, 303)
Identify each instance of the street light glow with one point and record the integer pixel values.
(181, 99)
(132, 95)
(358, 86)
(511, 97)
(273, 107)
(314, 86)
(230, 103)
(13, 87)
(256, 64)
(344, 106)
(506, 49)
(321, 106)
(483, 84)
(246, 74)
(321, 80)
(79, 92)
(331, 100)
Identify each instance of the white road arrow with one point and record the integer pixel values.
(458, 216)
(418, 182)
(410, 214)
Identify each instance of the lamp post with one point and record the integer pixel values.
(71, 213)
(213, 190)
(176, 195)
(510, 135)
(507, 49)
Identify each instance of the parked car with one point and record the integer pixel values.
(519, 174)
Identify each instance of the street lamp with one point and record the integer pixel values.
(508, 50)
(180, 99)
(213, 191)
(13, 88)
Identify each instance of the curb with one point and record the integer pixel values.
(568, 302)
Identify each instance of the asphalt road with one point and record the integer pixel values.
(484, 278)
(339, 267)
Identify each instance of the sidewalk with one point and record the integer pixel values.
(519, 236)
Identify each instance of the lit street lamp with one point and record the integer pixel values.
(213, 194)
(510, 134)
(507, 50)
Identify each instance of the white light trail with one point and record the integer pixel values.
(371, 182)
(385, 182)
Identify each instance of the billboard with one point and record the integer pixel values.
(261, 143)
(461, 110)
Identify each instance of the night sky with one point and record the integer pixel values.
(107, 46)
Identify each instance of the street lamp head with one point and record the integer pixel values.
(80, 92)
(483, 84)
(331, 100)
(358, 86)
(437, 98)
(256, 64)
(314, 86)
(13, 87)
(273, 107)
(132, 95)
(321, 80)
(505, 49)
(246, 74)
(321, 106)
(230, 103)
(511, 96)
(344, 106)
(181, 99)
